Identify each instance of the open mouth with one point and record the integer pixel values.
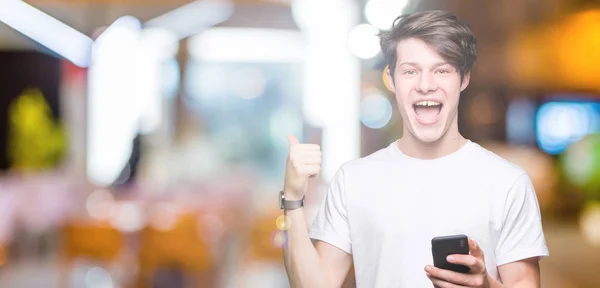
(428, 110)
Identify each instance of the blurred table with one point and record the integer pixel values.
(573, 263)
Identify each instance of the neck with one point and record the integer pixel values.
(449, 143)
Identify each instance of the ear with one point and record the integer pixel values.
(388, 79)
(465, 81)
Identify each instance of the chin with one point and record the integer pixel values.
(428, 133)
(428, 136)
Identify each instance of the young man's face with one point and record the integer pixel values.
(427, 90)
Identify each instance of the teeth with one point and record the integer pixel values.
(428, 103)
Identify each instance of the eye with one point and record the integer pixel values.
(410, 72)
(443, 71)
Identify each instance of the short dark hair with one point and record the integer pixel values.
(442, 30)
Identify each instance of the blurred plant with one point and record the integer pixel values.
(36, 141)
(581, 165)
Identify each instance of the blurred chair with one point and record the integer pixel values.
(90, 240)
(175, 251)
(266, 239)
(261, 263)
(265, 246)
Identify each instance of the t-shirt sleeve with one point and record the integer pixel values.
(331, 222)
(522, 235)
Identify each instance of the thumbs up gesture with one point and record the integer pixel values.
(303, 162)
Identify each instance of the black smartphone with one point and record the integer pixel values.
(443, 246)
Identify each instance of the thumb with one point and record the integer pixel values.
(292, 140)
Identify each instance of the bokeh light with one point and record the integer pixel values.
(520, 121)
(560, 124)
(128, 217)
(97, 277)
(384, 78)
(576, 49)
(113, 89)
(375, 111)
(283, 222)
(364, 42)
(100, 204)
(590, 223)
(381, 13)
(159, 41)
(278, 239)
(164, 216)
(313, 15)
(581, 164)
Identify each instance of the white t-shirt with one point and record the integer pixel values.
(385, 208)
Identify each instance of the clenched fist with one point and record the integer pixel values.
(303, 162)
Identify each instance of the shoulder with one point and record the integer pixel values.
(486, 163)
(370, 163)
(507, 179)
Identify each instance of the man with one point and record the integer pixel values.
(381, 211)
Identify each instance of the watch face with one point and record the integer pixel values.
(281, 198)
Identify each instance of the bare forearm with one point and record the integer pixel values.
(302, 262)
(301, 259)
(521, 284)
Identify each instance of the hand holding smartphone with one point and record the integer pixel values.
(443, 246)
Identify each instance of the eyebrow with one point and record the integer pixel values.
(437, 64)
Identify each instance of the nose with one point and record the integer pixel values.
(426, 83)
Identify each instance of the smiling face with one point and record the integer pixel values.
(427, 90)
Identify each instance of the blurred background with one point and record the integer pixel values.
(143, 142)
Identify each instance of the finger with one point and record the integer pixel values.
(302, 149)
(309, 147)
(292, 140)
(300, 156)
(312, 160)
(437, 282)
(475, 249)
(299, 161)
(467, 260)
(310, 153)
(310, 170)
(448, 276)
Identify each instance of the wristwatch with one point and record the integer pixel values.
(289, 204)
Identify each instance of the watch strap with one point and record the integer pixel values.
(289, 204)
